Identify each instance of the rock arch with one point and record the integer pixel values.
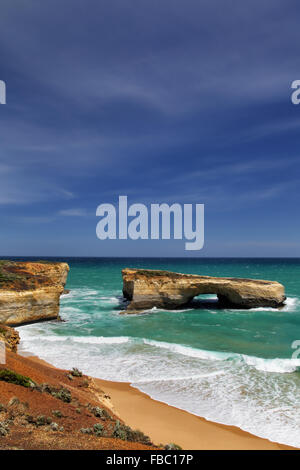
(146, 288)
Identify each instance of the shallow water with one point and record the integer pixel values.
(230, 366)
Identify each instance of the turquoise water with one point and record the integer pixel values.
(230, 366)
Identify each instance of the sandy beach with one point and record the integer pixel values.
(165, 424)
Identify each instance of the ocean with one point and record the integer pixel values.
(229, 366)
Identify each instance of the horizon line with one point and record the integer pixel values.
(150, 257)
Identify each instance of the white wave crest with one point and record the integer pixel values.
(290, 305)
(89, 339)
(100, 339)
(266, 365)
(282, 366)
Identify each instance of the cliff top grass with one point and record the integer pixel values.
(152, 273)
(23, 275)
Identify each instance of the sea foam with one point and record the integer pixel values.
(256, 394)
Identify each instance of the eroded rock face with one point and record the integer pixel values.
(147, 288)
(30, 291)
(10, 337)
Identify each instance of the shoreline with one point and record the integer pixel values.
(165, 423)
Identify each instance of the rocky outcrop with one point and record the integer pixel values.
(10, 337)
(145, 288)
(30, 291)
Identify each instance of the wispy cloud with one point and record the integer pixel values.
(75, 212)
(180, 104)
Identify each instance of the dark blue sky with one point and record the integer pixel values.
(163, 101)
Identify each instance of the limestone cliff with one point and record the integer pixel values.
(147, 288)
(30, 291)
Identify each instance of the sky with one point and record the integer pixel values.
(162, 101)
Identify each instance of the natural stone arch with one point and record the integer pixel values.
(146, 288)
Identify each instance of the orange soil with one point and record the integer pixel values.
(24, 435)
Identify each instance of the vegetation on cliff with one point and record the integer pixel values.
(12, 377)
(41, 408)
(25, 275)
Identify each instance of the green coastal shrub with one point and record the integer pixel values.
(9, 376)
(139, 436)
(172, 446)
(76, 372)
(125, 433)
(100, 413)
(120, 431)
(98, 429)
(41, 420)
(62, 393)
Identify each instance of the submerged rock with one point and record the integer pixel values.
(146, 288)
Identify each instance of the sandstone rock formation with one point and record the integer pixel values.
(30, 291)
(146, 288)
(10, 337)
